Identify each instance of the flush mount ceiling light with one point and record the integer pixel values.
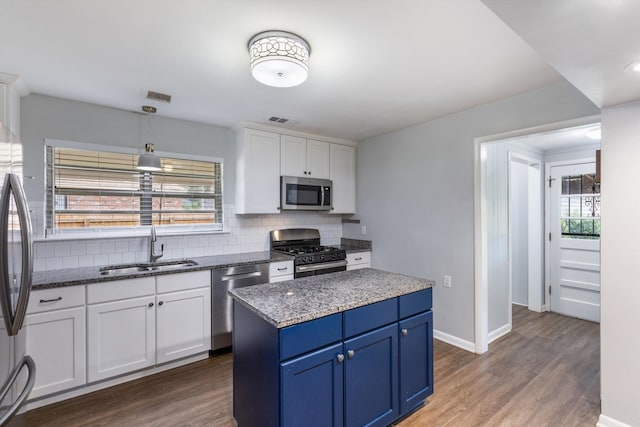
(149, 161)
(634, 66)
(594, 133)
(279, 58)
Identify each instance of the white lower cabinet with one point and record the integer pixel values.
(122, 337)
(357, 260)
(56, 342)
(280, 271)
(139, 323)
(183, 323)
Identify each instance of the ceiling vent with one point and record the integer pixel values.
(278, 119)
(157, 96)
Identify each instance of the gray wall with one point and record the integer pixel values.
(415, 193)
(56, 118)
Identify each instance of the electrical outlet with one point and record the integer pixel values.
(447, 281)
(363, 230)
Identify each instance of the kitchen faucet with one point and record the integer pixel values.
(153, 256)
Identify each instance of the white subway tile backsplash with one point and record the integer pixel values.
(246, 233)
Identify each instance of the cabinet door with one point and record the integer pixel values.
(312, 389)
(121, 337)
(317, 159)
(183, 324)
(56, 342)
(258, 172)
(343, 174)
(293, 156)
(416, 360)
(371, 378)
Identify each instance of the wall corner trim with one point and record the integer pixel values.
(455, 341)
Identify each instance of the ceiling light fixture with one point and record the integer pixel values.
(279, 58)
(594, 133)
(634, 66)
(149, 161)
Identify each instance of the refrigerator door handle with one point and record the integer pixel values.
(5, 283)
(12, 185)
(31, 379)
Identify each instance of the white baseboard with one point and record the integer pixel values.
(453, 340)
(497, 333)
(520, 304)
(605, 421)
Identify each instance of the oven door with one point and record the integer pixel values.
(305, 194)
(319, 268)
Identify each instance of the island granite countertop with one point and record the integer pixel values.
(85, 275)
(295, 301)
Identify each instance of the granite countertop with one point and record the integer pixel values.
(295, 301)
(355, 245)
(84, 275)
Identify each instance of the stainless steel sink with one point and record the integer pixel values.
(146, 267)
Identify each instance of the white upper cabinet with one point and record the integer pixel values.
(343, 175)
(12, 88)
(257, 172)
(303, 157)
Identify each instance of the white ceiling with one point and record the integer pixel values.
(589, 42)
(376, 65)
(560, 140)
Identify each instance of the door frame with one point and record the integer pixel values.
(547, 223)
(481, 286)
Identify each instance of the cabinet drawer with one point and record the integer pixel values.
(120, 289)
(370, 316)
(307, 336)
(415, 303)
(183, 281)
(55, 299)
(281, 268)
(359, 258)
(280, 278)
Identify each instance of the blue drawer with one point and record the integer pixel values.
(307, 336)
(415, 303)
(370, 317)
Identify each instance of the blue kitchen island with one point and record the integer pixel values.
(351, 348)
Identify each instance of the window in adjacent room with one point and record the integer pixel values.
(580, 207)
(98, 187)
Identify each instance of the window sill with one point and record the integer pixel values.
(102, 235)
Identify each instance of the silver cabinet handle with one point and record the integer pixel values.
(404, 332)
(358, 259)
(43, 301)
(351, 353)
(340, 358)
(283, 269)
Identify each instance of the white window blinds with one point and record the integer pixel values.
(88, 189)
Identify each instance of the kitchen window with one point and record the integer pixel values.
(92, 188)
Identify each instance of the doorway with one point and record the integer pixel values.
(493, 238)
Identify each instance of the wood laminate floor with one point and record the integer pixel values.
(546, 372)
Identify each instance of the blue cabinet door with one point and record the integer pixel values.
(416, 360)
(371, 378)
(312, 389)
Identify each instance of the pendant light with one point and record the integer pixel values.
(149, 161)
(279, 58)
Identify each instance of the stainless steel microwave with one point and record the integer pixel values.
(305, 194)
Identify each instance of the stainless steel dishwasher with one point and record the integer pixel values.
(224, 279)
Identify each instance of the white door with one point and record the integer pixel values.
(183, 323)
(575, 241)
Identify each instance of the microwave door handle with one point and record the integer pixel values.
(322, 196)
(26, 235)
(5, 284)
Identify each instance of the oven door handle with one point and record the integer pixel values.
(320, 266)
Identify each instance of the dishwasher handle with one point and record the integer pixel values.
(240, 276)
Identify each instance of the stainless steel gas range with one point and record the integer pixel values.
(310, 258)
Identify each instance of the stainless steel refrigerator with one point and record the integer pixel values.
(16, 266)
